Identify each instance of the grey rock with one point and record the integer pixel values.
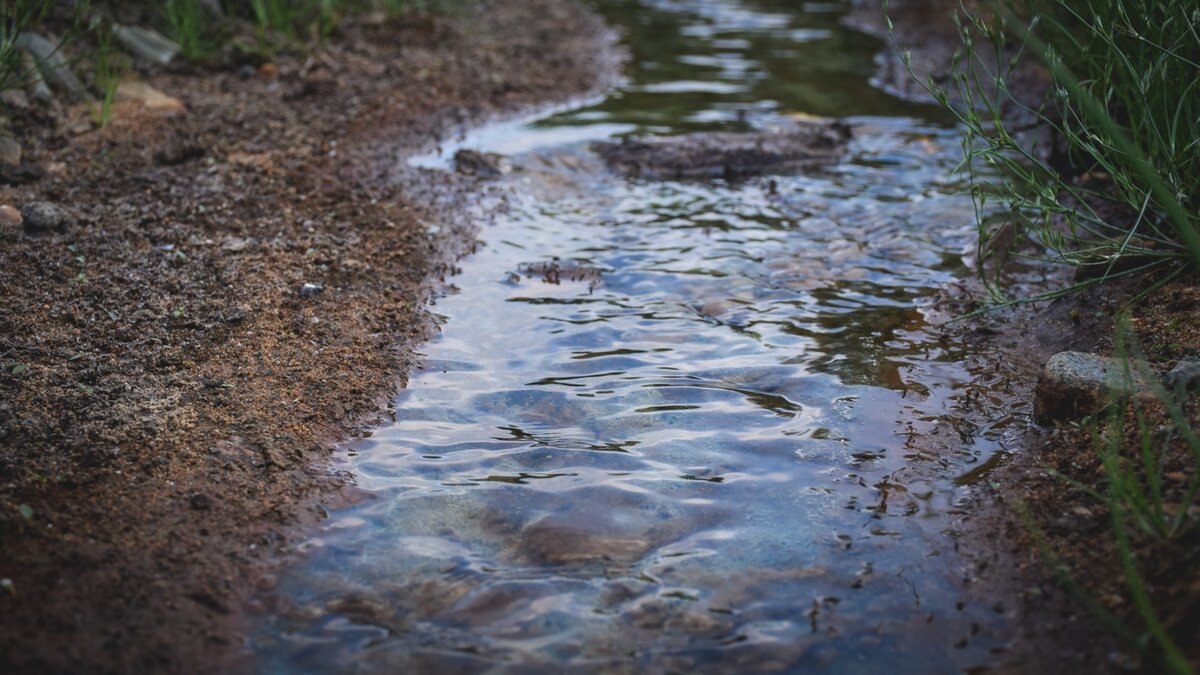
(52, 63)
(1074, 385)
(1185, 376)
(41, 217)
(10, 151)
(237, 245)
(146, 43)
(213, 7)
(37, 83)
(482, 164)
(14, 98)
(311, 290)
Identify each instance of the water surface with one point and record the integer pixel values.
(669, 426)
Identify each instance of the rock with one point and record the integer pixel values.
(200, 501)
(794, 148)
(10, 151)
(178, 153)
(14, 98)
(552, 543)
(1185, 376)
(213, 7)
(482, 164)
(20, 174)
(9, 216)
(52, 63)
(152, 99)
(37, 83)
(237, 245)
(41, 217)
(311, 290)
(146, 43)
(1074, 385)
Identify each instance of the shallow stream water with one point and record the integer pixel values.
(668, 426)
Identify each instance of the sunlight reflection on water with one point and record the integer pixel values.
(695, 455)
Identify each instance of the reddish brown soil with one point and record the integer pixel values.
(167, 396)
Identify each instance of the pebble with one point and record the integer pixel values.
(1074, 385)
(200, 501)
(237, 245)
(10, 151)
(40, 217)
(1184, 376)
(310, 290)
(138, 91)
(9, 216)
(482, 164)
(14, 98)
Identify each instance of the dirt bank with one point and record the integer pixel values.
(1034, 516)
(233, 288)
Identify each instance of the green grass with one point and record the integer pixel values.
(107, 72)
(1146, 517)
(16, 17)
(1135, 495)
(1120, 197)
(190, 25)
(278, 25)
(1123, 198)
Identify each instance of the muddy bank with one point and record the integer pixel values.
(235, 284)
(1033, 519)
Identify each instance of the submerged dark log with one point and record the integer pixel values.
(796, 148)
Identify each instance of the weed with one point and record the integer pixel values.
(190, 25)
(398, 7)
(1135, 478)
(106, 74)
(1125, 197)
(15, 18)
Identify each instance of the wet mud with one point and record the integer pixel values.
(790, 148)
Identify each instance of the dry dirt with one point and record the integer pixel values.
(169, 387)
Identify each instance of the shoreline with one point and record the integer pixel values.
(244, 287)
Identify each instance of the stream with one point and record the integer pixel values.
(668, 426)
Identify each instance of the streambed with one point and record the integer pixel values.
(668, 425)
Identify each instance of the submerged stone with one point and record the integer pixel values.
(794, 148)
(482, 164)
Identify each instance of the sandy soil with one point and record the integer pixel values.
(169, 387)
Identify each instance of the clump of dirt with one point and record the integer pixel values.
(234, 284)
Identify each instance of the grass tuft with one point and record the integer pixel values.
(1119, 191)
(15, 18)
